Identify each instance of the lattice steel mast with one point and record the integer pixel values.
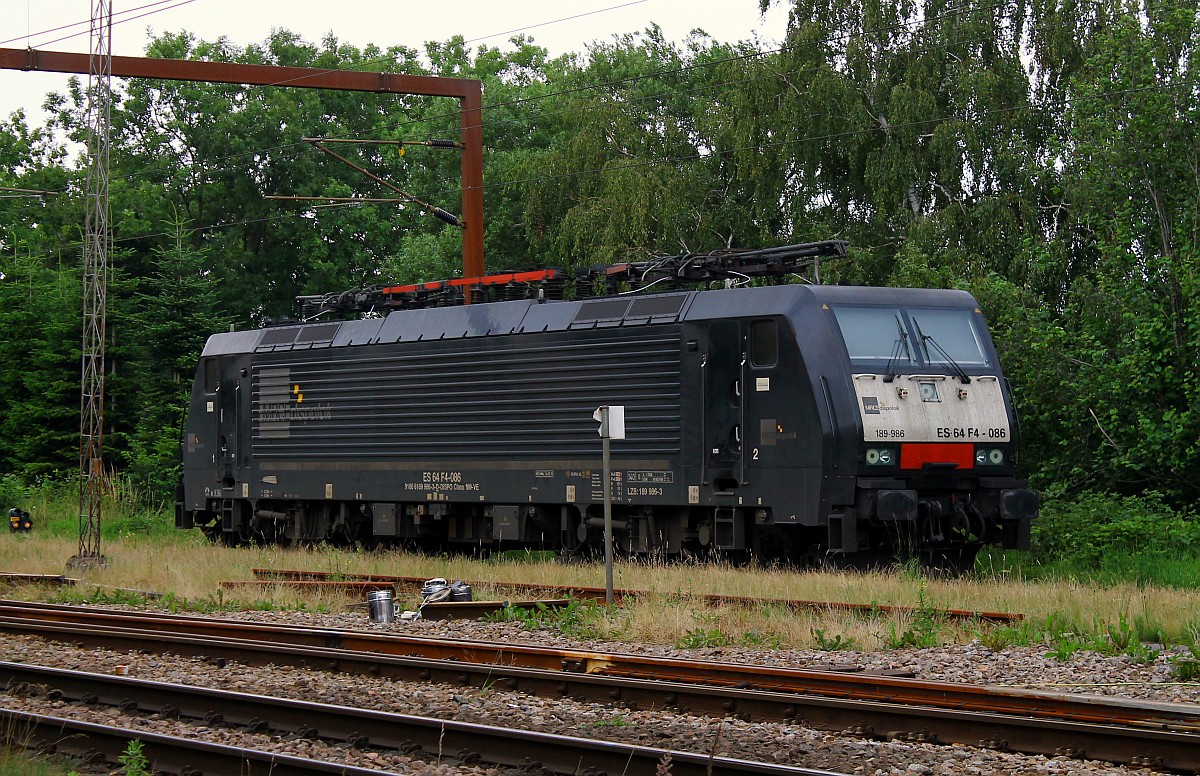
(95, 284)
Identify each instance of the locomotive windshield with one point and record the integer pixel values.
(874, 334)
(940, 336)
(948, 337)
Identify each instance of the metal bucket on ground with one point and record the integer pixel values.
(433, 587)
(381, 606)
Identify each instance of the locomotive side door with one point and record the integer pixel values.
(723, 388)
(202, 434)
(228, 428)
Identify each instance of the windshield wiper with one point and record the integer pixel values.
(928, 338)
(901, 342)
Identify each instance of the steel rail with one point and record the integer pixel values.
(1140, 733)
(36, 579)
(167, 754)
(266, 576)
(824, 683)
(463, 741)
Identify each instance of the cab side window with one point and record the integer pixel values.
(212, 376)
(764, 343)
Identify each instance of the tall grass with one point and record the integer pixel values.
(16, 758)
(14, 763)
(146, 554)
(55, 510)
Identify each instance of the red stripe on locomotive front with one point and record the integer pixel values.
(914, 456)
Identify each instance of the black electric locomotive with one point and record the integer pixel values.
(797, 421)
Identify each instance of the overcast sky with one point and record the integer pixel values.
(360, 22)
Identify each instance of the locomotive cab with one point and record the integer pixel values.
(935, 464)
(215, 443)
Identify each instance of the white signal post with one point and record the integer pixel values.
(612, 426)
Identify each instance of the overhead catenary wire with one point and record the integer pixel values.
(1057, 102)
(299, 198)
(912, 25)
(15, 193)
(356, 65)
(633, 165)
(483, 37)
(433, 210)
(171, 5)
(428, 143)
(608, 84)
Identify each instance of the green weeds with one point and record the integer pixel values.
(925, 627)
(100, 596)
(18, 763)
(1112, 640)
(998, 638)
(1186, 667)
(133, 759)
(761, 639)
(577, 619)
(703, 638)
(834, 643)
(616, 721)
(711, 634)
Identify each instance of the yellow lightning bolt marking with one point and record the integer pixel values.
(296, 391)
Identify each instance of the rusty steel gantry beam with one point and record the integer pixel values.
(468, 91)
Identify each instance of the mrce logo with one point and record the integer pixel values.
(871, 406)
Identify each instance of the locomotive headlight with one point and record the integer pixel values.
(989, 456)
(880, 456)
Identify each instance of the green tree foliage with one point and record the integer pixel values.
(33, 208)
(39, 305)
(638, 165)
(1095, 529)
(39, 384)
(174, 314)
(214, 153)
(1118, 346)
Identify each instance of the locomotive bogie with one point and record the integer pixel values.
(791, 420)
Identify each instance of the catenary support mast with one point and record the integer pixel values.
(95, 283)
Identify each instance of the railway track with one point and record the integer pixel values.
(374, 581)
(437, 740)
(1136, 733)
(47, 734)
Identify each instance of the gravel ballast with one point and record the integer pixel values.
(795, 744)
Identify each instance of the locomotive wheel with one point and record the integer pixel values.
(212, 531)
(951, 561)
(231, 539)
